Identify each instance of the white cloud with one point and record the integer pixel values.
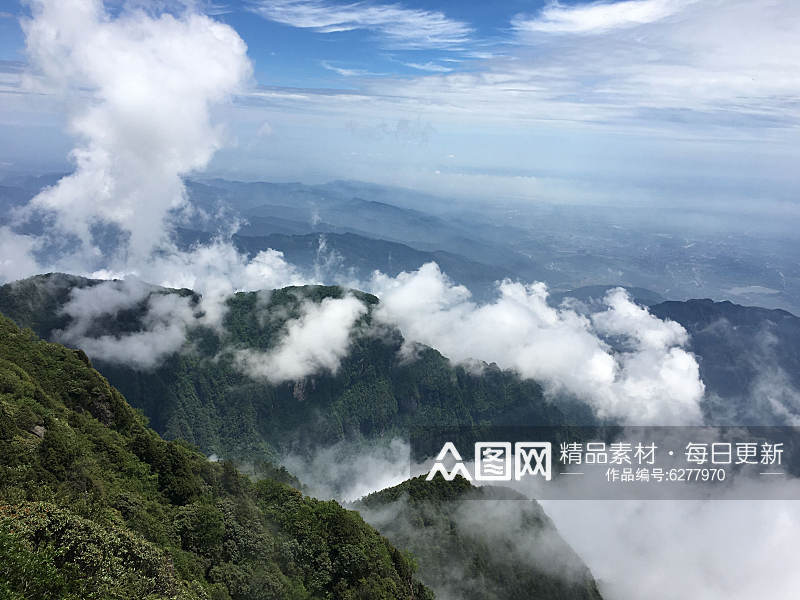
(342, 71)
(429, 66)
(715, 550)
(647, 331)
(16, 255)
(163, 326)
(707, 69)
(316, 341)
(397, 25)
(730, 58)
(215, 271)
(348, 470)
(599, 16)
(141, 88)
(654, 381)
(107, 298)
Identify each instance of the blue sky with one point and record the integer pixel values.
(607, 102)
(288, 51)
(405, 39)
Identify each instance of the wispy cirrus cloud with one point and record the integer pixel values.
(429, 66)
(598, 17)
(397, 25)
(712, 64)
(344, 72)
(703, 68)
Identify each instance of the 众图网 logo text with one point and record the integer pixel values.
(494, 461)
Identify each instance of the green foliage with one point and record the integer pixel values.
(418, 491)
(51, 553)
(93, 504)
(59, 451)
(339, 546)
(201, 528)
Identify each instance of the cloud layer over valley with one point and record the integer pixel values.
(653, 381)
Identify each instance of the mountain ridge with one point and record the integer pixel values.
(476, 551)
(374, 393)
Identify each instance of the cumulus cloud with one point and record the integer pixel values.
(215, 271)
(315, 341)
(161, 328)
(141, 88)
(397, 25)
(652, 381)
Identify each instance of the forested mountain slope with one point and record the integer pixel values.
(95, 505)
(479, 543)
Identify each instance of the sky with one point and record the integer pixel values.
(669, 102)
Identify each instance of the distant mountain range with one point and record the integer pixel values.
(594, 294)
(351, 258)
(568, 247)
(341, 207)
